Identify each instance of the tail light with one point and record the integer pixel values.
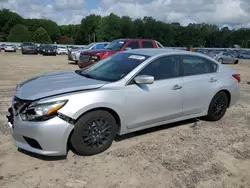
(237, 77)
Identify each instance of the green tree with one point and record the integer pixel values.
(69, 30)
(41, 36)
(8, 20)
(138, 28)
(109, 28)
(51, 27)
(19, 33)
(87, 29)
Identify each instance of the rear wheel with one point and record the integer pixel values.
(220, 60)
(236, 62)
(218, 107)
(94, 133)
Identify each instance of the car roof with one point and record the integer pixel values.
(156, 51)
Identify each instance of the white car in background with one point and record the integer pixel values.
(10, 48)
(74, 55)
(61, 50)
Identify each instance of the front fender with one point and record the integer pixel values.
(80, 103)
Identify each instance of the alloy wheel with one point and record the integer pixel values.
(96, 133)
(219, 106)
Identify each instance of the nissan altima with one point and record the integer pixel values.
(126, 92)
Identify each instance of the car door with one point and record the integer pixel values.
(227, 58)
(199, 83)
(157, 102)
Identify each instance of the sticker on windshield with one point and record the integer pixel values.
(138, 57)
(121, 42)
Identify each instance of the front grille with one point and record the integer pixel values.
(18, 104)
(84, 58)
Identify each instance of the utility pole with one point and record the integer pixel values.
(89, 39)
(242, 43)
(204, 43)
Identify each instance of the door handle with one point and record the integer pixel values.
(176, 87)
(213, 80)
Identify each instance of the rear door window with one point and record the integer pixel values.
(193, 65)
(133, 45)
(147, 44)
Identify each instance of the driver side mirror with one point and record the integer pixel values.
(144, 79)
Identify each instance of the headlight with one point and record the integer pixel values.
(42, 111)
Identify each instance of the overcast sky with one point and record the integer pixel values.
(233, 13)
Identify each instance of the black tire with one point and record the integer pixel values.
(85, 133)
(218, 107)
(236, 62)
(220, 60)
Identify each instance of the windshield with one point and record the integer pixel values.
(48, 47)
(114, 67)
(116, 45)
(89, 46)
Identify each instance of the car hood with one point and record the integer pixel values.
(55, 83)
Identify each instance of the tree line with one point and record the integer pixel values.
(15, 28)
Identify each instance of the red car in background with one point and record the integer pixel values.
(87, 58)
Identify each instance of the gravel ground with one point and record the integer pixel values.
(189, 154)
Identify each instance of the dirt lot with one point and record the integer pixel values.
(192, 154)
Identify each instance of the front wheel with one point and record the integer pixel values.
(218, 107)
(94, 133)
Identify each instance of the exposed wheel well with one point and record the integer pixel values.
(228, 95)
(111, 111)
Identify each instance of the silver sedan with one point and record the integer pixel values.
(227, 58)
(124, 93)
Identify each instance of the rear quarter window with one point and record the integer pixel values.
(194, 65)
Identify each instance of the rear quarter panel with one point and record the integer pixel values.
(227, 82)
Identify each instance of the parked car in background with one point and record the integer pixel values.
(244, 55)
(126, 92)
(29, 48)
(2, 46)
(49, 50)
(73, 49)
(61, 50)
(70, 47)
(75, 55)
(10, 48)
(41, 48)
(225, 57)
(213, 53)
(89, 57)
